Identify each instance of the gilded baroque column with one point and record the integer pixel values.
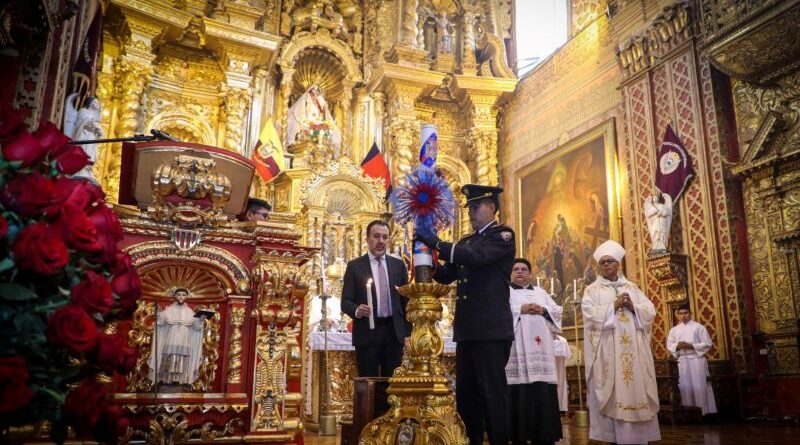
(482, 138)
(283, 99)
(238, 95)
(483, 142)
(132, 72)
(132, 79)
(347, 115)
(409, 24)
(468, 63)
(379, 99)
(402, 128)
(236, 103)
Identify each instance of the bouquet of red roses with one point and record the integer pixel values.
(63, 282)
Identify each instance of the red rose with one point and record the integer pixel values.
(112, 424)
(33, 195)
(72, 328)
(77, 230)
(93, 294)
(122, 263)
(49, 136)
(39, 248)
(128, 287)
(84, 406)
(24, 148)
(14, 390)
(109, 231)
(3, 227)
(70, 159)
(10, 122)
(114, 354)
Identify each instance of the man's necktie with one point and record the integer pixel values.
(383, 290)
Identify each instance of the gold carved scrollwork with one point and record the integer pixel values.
(191, 177)
(270, 386)
(235, 366)
(174, 428)
(669, 270)
(666, 32)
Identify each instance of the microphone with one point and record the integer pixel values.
(162, 135)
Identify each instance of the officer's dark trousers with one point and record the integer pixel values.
(481, 390)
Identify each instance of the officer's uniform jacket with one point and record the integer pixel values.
(481, 264)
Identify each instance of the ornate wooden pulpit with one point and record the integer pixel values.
(178, 206)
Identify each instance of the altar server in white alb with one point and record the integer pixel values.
(620, 375)
(531, 369)
(689, 342)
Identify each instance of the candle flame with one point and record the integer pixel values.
(369, 282)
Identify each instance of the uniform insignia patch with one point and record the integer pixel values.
(507, 235)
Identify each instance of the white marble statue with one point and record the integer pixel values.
(82, 124)
(178, 343)
(658, 212)
(311, 114)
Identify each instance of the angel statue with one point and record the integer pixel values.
(84, 124)
(310, 118)
(658, 212)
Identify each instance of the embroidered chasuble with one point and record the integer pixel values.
(620, 374)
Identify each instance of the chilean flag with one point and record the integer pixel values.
(375, 166)
(674, 168)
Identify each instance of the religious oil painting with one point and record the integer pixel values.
(567, 206)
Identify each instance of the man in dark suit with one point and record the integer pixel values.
(378, 351)
(480, 263)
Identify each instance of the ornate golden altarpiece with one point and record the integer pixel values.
(180, 234)
(213, 72)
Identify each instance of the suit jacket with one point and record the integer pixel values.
(481, 264)
(354, 293)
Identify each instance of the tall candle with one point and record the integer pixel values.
(575, 291)
(369, 303)
(538, 282)
(552, 286)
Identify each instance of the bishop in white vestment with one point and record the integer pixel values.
(531, 369)
(689, 342)
(620, 375)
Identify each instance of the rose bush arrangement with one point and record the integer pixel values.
(63, 281)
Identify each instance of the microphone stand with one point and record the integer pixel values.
(155, 135)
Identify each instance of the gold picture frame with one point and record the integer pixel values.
(568, 203)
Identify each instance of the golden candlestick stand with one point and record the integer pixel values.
(422, 408)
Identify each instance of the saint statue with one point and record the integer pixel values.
(84, 124)
(658, 211)
(310, 118)
(178, 342)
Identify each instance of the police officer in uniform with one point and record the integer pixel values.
(480, 263)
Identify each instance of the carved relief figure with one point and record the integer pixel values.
(658, 212)
(178, 340)
(310, 119)
(84, 124)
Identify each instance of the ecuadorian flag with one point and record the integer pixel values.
(268, 153)
(375, 166)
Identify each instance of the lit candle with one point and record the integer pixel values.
(369, 303)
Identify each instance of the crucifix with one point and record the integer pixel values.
(597, 234)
